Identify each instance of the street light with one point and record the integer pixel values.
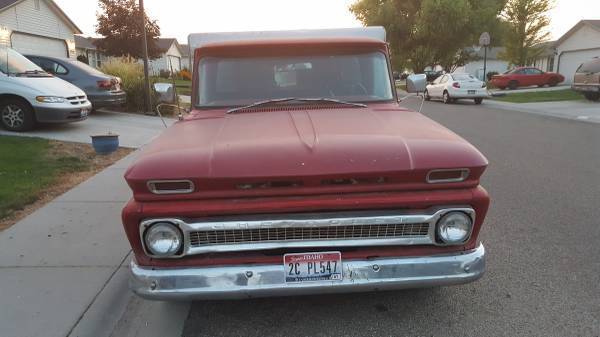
(484, 40)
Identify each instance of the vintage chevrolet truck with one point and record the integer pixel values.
(298, 172)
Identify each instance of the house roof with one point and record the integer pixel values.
(82, 42)
(164, 44)
(595, 24)
(492, 53)
(185, 50)
(4, 4)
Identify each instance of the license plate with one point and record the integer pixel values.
(85, 112)
(471, 92)
(310, 267)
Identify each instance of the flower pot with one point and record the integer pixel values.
(105, 144)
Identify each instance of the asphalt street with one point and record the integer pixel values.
(542, 236)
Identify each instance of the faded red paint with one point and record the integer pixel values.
(392, 148)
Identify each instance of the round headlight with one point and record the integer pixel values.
(163, 239)
(454, 227)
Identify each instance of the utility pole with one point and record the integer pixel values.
(147, 96)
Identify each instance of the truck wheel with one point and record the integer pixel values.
(446, 98)
(512, 85)
(592, 96)
(478, 100)
(16, 115)
(553, 82)
(427, 97)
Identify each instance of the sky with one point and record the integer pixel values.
(178, 18)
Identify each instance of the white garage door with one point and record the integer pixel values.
(38, 45)
(569, 62)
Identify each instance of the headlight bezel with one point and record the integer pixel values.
(166, 226)
(50, 99)
(441, 236)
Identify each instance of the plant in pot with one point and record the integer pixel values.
(105, 143)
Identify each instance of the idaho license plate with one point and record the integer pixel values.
(84, 112)
(309, 267)
(471, 92)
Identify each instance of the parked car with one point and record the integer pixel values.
(525, 77)
(29, 95)
(432, 75)
(587, 79)
(102, 90)
(451, 87)
(302, 174)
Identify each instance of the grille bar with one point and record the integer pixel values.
(259, 235)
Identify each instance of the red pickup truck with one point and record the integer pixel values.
(298, 172)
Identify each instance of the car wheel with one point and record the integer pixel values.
(512, 85)
(427, 97)
(553, 82)
(16, 115)
(478, 100)
(592, 96)
(446, 98)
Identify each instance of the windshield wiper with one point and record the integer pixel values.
(290, 99)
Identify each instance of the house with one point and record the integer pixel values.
(37, 27)
(86, 46)
(171, 55)
(493, 64)
(186, 61)
(545, 61)
(581, 43)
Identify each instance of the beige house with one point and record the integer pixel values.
(171, 55)
(37, 27)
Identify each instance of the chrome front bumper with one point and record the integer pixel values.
(248, 281)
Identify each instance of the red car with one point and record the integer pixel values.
(525, 77)
(297, 172)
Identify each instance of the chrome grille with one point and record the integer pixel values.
(257, 235)
(77, 100)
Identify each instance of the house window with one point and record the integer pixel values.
(36, 3)
(551, 63)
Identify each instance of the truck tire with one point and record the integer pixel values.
(16, 115)
(512, 85)
(592, 96)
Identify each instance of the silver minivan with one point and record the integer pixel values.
(29, 95)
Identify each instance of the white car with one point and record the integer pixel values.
(450, 87)
(29, 95)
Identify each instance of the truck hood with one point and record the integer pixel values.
(302, 146)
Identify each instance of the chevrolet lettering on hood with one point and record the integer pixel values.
(298, 172)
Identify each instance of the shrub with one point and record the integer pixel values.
(131, 74)
(164, 73)
(490, 74)
(83, 58)
(185, 74)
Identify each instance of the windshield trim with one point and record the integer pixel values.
(196, 86)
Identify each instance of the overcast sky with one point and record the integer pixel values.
(178, 18)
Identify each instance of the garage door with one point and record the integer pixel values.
(38, 45)
(569, 62)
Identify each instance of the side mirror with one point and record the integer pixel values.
(165, 91)
(416, 83)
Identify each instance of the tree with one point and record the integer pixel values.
(430, 32)
(119, 23)
(526, 28)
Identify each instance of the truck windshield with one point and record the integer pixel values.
(13, 63)
(241, 81)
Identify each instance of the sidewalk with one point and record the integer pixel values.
(63, 269)
(584, 111)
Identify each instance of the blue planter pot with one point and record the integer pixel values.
(105, 144)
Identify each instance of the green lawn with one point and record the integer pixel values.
(184, 87)
(541, 96)
(27, 166)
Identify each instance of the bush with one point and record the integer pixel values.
(185, 74)
(490, 74)
(131, 74)
(164, 73)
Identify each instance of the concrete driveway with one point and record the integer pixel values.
(134, 130)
